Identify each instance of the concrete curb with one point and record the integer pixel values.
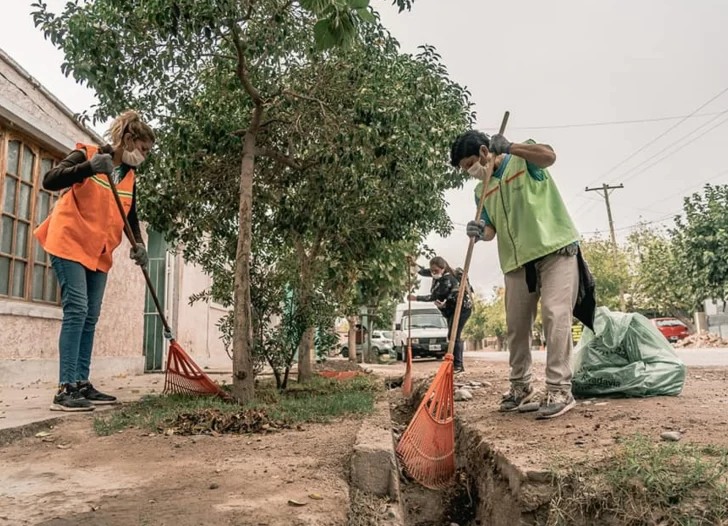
(374, 468)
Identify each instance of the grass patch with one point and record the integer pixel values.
(318, 401)
(647, 483)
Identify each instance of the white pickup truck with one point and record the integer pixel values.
(429, 332)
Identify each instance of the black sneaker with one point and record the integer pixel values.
(459, 369)
(69, 399)
(90, 393)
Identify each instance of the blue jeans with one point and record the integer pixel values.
(458, 351)
(81, 293)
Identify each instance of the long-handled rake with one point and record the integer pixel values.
(427, 447)
(407, 383)
(183, 375)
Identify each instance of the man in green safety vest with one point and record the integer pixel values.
(539, 254)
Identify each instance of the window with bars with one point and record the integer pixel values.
(25, 269)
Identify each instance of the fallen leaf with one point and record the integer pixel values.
(214, 485)
(95, 508)
(296, 503)
(42, 434)
(64, 446)
(315, 496)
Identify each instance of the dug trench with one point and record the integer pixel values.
(658, 461)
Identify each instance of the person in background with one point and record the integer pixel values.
(444, 293)
(80, 235)
(540, 257)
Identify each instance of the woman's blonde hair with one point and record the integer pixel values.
(129, 122)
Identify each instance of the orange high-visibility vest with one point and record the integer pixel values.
(85, 225)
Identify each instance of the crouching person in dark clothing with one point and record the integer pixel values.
(444, 293)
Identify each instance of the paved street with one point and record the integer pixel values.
(691, 357)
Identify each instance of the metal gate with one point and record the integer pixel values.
(154, 344)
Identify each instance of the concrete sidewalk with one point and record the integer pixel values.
(23, 405)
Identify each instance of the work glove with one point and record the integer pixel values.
(139, 254)
(476, 229)
(499, 144)
(101, 163)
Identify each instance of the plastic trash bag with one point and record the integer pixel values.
(625, 356)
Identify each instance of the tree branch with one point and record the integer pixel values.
(242, 68)
(279, 157)
(321, 103)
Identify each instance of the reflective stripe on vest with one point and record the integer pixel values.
(85, 225)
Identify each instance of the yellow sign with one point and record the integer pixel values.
(576, 332)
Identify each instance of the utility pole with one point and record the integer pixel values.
(605, 190)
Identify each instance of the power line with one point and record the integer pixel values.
(681, 147)
(635, 225)
(687, 188)
(607, 123)
(678, 142)
(660, 136)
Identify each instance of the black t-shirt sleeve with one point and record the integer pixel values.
(71, 170)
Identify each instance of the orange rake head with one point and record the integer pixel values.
(427, 447)
(184, 376)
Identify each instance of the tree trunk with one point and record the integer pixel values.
(372, 357)
(305, 348)
(243, 380)
(352, 338)
(685, 318)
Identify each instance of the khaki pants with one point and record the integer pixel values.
(558, 287)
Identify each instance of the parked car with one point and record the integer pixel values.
(671, 328)
(429, 333)
(381, 344)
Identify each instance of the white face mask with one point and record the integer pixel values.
(436, 276)
(132, 159)
(477, 171)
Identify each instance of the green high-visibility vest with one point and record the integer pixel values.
(526, 209)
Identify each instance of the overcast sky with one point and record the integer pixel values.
(559, 67)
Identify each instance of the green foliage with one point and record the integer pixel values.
(611, 270)
(701, 241)
(488, 319)
(661, 284)
(343, 153)
(646, 483)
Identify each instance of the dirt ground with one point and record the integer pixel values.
(134, 479)
(592, 428)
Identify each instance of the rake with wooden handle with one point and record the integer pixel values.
(182, 374)
(427, 447)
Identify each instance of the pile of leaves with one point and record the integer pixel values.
(216, 422)
(702, 340)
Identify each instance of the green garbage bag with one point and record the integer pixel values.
(625, 356)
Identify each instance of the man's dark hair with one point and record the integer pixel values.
(468, 144)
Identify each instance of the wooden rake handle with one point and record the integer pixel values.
(471, 245)
(130, 235)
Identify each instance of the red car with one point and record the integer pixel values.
(671, 328)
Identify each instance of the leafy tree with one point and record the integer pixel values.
(661, 284)
(611, 269)
(168, 60)
(231, 82)
(701, 243)
(488, 319)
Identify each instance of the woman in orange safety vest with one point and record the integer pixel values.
(80, 235)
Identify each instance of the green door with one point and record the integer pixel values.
(154, 342)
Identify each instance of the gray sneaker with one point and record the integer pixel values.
(555, 404)
(519, 395)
